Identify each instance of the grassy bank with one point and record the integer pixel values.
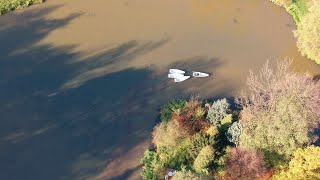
(298, 9)
(10, 5)
(306, 14)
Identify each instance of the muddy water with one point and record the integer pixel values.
(82, 81)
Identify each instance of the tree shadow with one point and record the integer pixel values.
(65, 116)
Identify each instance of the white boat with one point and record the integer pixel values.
(175, 75)
(199, 74)
(180, 79)
(178, 71)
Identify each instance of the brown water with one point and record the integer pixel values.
(82, 81)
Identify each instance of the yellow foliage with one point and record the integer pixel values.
(204, 158)
(212, 131)
(227, 119)
(305, 164)
(168, 135)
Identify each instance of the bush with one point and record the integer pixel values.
(218, 111)
(281, 111)
(9, 5)
(203, 160)
(305, 164)
(308, 33)
(245, 165)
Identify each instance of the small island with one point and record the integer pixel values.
(267, 134)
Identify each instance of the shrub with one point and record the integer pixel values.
(281, 111)
(305, 164)
(168, 135)
(245, 165)
(218, 111)
(9, 5)
(170, 107)
(234, 133)
(203, 160)
(308, 33)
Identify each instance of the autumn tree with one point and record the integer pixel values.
(245, 165)
(280, 112)
(305, 164)
(203, 160)
(168, 135)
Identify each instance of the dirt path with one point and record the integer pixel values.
(82, 81)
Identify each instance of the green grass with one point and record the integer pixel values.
(10, 5)
(298, 9)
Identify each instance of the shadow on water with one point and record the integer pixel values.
(65, 117)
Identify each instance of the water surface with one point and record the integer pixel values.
(82, 81)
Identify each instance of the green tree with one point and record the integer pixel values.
(149, 161)
(170, 107)
(305, 164)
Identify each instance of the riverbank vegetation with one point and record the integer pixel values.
(269, 134)
(306, 14)
(10, 5)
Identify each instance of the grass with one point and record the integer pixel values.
(10, 5)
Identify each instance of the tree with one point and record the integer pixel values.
(245, 165)
(305, 164)
(203, 160)
(218, 111)
(281, 111)
(192, 117)
(170, 107)
(168, 135)
(198, 142)
(149, 161)
(308, 33)
(234, 133)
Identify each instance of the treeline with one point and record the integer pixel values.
(269, 135)
(306, 14)
(10, 5)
